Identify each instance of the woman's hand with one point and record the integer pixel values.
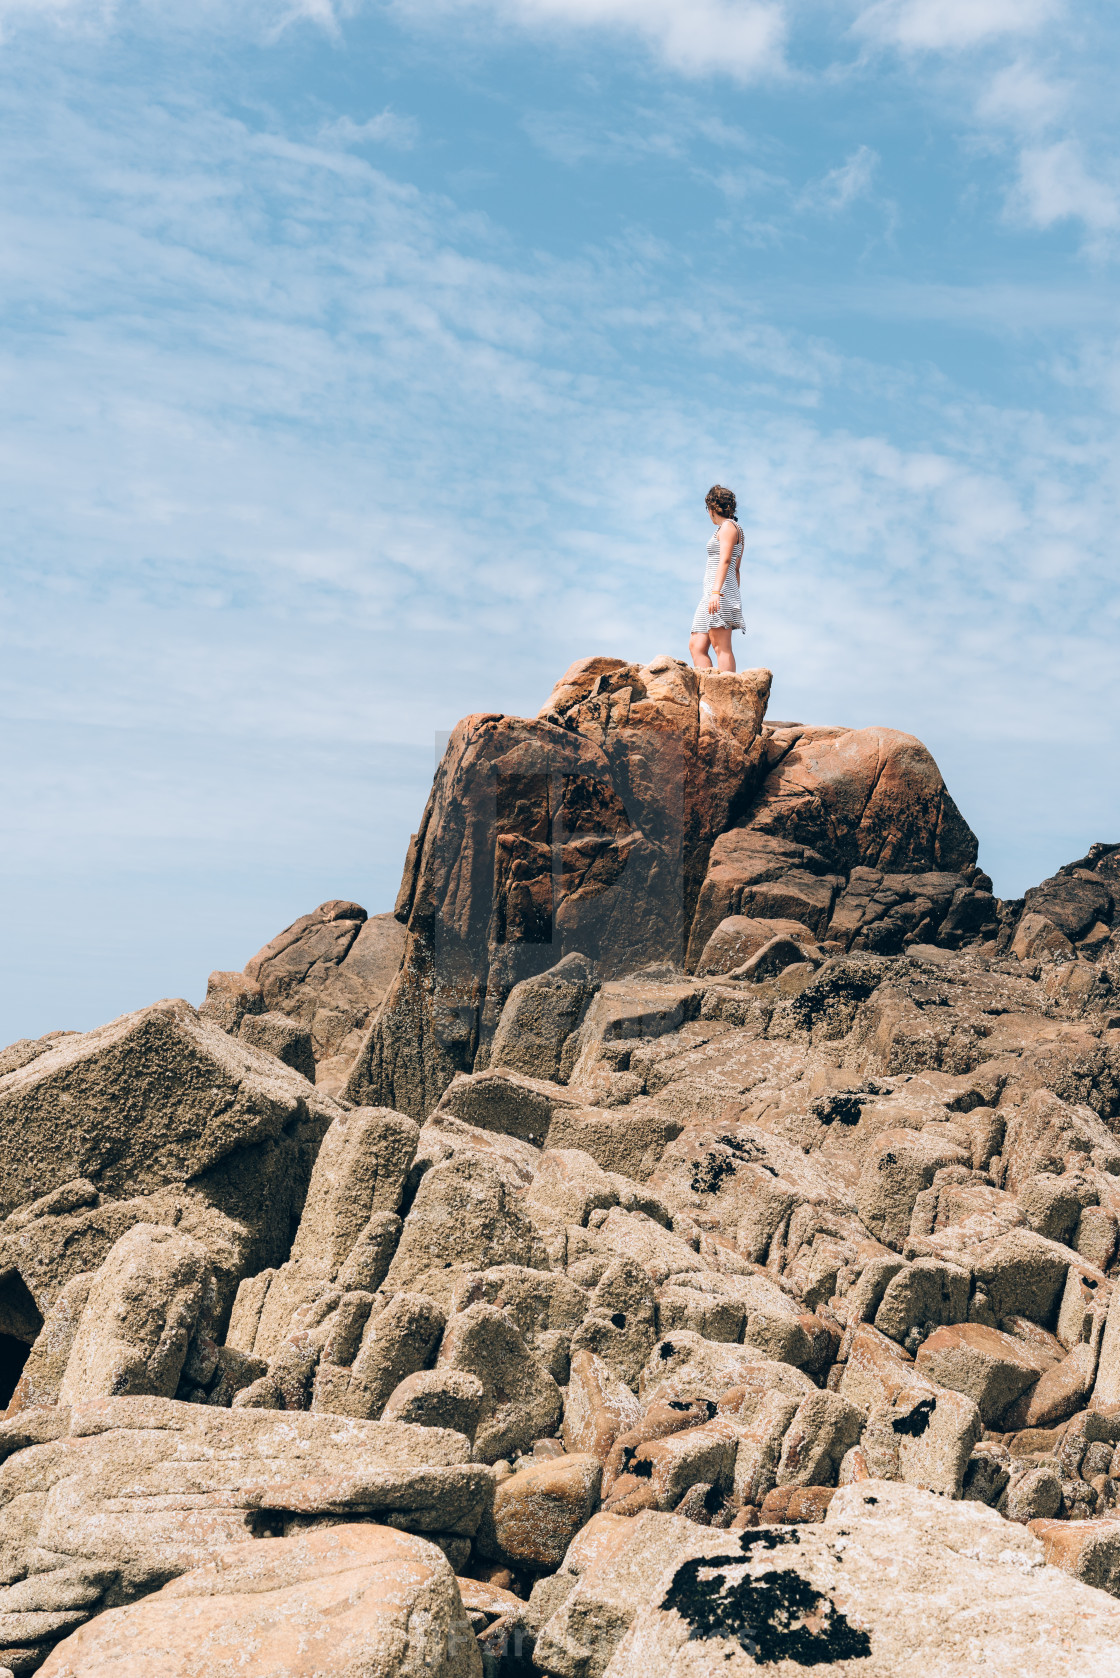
(713, 605)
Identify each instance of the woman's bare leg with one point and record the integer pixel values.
(721, 641)
(698, 646)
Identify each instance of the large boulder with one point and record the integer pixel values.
(325, 975)
(159, 1117)
(894, 1583)
(348, 1232)
(106, 1500)
(142, 1308)
(346, 1599)
(854, 835)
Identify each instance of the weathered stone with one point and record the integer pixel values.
(349, 1598)
(1058, 1393)
(1053, 1204)
(569, 1186)
(521, 1402)
(508, 1103)
(42, 1375)
(925, 1292)
(916, 1432)
(437, 1398)
(539, 1509)
(712, 1316)
(581, 1636)
(1090, 1550)
(464, 1217)
(142, 1308)
(902, 1164)
(663, 1469)
(276, 1034)
(397, 1342)
(686, 1366)
(598, 1407)
(823, 1429)
(630, 1141)
(992, 1368)
(539, 1016)
(1023, 1275)
(760, 1446)
(795, 1505)
(229, 998)
(143, 1489)
(1035, 1495)
(169, 1102)
(328, 972)
(967, 1592)
(738, 938)
(621, 1324)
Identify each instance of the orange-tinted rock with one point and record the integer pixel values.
(1090, 1550)
(739, 937)
(539, 1509)
(991, 1367)
(1059, 1392)
(586, 829)
(597, 1408)
(358, 1598)
(787, 1504)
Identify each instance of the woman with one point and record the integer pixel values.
(721, 609)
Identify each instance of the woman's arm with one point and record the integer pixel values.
(728, 536)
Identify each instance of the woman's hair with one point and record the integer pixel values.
(721, 500)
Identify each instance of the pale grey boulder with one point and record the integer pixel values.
(276, 1034)
(521, 1401)
(894, 1583)
(142, 1309)
(539, 1016)
(438, 1398)
(464, 1217)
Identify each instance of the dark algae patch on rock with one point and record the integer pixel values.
(775, 1616)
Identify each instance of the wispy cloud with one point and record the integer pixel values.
(951, 25)
(387, 128)
(1056, 185)
(840, 187)
(743, 39)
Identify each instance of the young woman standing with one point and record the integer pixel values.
(721, 609)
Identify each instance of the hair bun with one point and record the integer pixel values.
(721, 500)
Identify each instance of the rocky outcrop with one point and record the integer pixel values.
(644, 808)
(317, 984)
(751, 1235)
(159, 1119)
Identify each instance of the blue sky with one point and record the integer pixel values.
(364, 364)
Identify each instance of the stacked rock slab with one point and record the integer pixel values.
(756, 1244)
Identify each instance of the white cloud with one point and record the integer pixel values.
(950, 25)
(739, 38)
(385, 129)
(1021, 98)
(1055, 185)
(841, 186)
